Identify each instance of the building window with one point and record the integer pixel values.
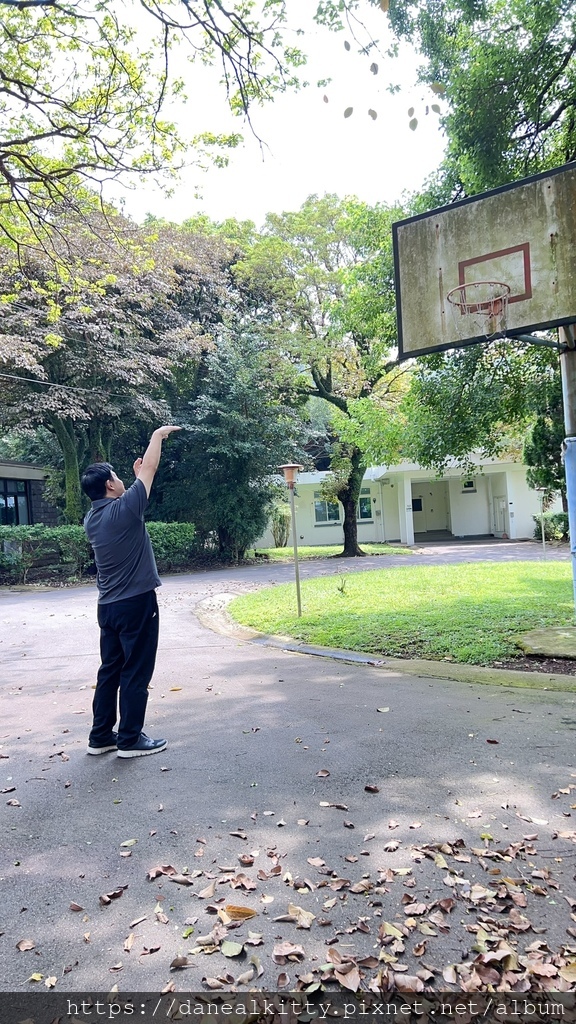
(364, 509)
(13, 503)
(468, 487)
(325, 511)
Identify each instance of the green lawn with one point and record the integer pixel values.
(329, 550)
(469, 612)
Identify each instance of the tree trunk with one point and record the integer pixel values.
(349, 495)
(64, 431)
(98, 442)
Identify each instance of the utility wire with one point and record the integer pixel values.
(64, 387)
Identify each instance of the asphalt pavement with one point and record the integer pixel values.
(358, 794)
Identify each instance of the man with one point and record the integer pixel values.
(127, 607)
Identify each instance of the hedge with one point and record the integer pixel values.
(34, 553)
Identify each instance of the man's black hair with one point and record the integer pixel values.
(94, 479)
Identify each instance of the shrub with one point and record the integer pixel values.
(280, 520)
(42, 551)
(173, 544)
(555, 526)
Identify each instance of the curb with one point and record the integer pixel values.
(213, 614)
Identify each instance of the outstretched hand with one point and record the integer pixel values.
(137, 467)
(164, 431)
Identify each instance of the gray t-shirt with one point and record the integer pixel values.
(122, 548)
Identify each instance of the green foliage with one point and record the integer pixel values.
(555, 526)
(543, 445)
(473, 399)
(238, 430)
(83, 95)
(173, 544)
(468, 613)
(506, 71)
(44, 551)
(322, 281)
(62, 549)
(135, 320)
(280, 520)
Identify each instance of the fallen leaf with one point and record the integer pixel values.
(371, 789)
(231, 949)
(51, 981)
(303, 917)
(284, 951)
(24, 945)
(240, 913)
(162, 869)
(323, 773)
(179, 961)
(181, 879)
(246, 977)
(208, 892)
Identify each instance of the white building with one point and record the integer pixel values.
(406, 503)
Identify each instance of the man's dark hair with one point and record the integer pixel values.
(94, 479)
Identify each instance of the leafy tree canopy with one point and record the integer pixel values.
(84, 86)
(480, 398)
(78, 355)
(321, 282)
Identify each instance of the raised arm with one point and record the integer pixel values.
(145, 468)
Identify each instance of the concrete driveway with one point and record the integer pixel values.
(260, 801)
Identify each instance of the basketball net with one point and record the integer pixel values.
(479, 308)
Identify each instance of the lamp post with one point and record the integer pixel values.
(291, 471)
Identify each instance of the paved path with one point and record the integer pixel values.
(249, 730)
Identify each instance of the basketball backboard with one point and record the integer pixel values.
(518, 242)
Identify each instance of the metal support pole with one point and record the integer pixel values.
(295, 545)
(568, 368)
(543, 531)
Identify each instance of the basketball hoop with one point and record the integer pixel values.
(479, 308)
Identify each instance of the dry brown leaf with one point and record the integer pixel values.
(246, 977)
(408, 982)
(179, 961)
(349, 979)
(208, 892)
(24, 945)
(242, 881)
(236, 913)
(302, 917)
(162, 869)
(284, 951)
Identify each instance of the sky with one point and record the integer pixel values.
(309, 147)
